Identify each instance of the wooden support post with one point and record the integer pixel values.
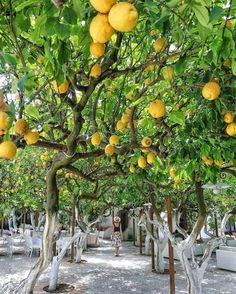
(2, 225)
(24, 220)
(134, 234)
(140, 235)
(216, 226)
(73, 229)
(152, 242)
(171, 251)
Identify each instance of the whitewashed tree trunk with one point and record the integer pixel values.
(57, 261)
(159, 246)
(32, 220)
(147, 244)
(41, 220)
(80, 247)
(27, 285)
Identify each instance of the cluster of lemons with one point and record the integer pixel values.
(211, 91)
(111, 17)
(8, 149)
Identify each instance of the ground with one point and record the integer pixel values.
(103, 273)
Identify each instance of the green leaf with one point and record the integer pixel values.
(233, 66)
(25, 4)
(69, 15)
(216, 13)
(10, 59)
(202, 15)
(180, 66)
(178, 117)
(62, 30)
(32, 111)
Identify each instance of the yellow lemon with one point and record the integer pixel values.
(172, 171)
(231, 129)
(125, 118)
(229, 117)
(132, 168)
(130, 95)
(100, 29)
(62, 88)
(7, 150)
(20, 126)
(148, 82)
(146, 142)
(96, 139)
(207, 160)
(96, 71)
(120, 126)
(109, 150)
(97, 49)
(150, 157)
(157, 109)
(142, 162)
(160, 45)
(4, 118)
(31, 137)
(123, 17)
(168, 73)
(114, 140)
(219, 162)
(211, 91)
(103, 6)
(150, 67)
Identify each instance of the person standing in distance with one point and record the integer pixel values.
(116, 232)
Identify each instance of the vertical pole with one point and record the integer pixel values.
(134, 230)
(73, 229)
(171, 251)
(24, 220)
(140, 235)
(2, 225)
(152, 242)
(216, 226)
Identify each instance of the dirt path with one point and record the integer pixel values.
(103, 273)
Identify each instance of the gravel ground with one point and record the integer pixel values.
(103, 273)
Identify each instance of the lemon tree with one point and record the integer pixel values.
(92, 81)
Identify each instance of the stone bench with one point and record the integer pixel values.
(226, 258)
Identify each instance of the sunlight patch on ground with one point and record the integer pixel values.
(117, 262)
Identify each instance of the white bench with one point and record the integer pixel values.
(226, 258)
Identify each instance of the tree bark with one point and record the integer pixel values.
(57, 261)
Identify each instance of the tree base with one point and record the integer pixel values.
(61, 288)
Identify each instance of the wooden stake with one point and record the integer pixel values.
(140, 235)
(73, 229)
(171, 251)
(134, 231)
(152, 242)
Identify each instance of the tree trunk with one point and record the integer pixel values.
(194, 275)
(159, 246)
(80, 246)
(54, 274)
(28, 284)
(57, 261)
(32, 220)
(147, 244)
(41, 220)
